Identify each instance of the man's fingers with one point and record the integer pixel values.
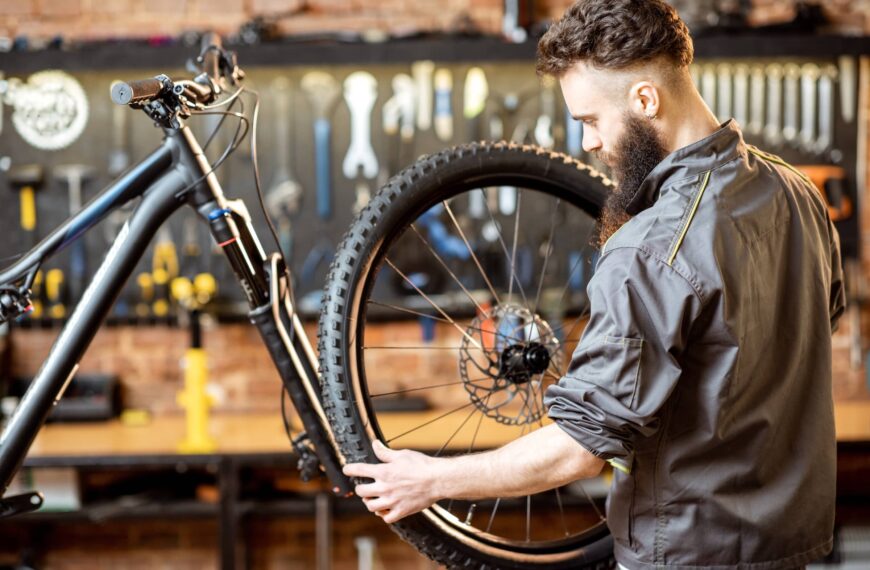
(393, 516)
(368, 490)
(378, 504)
(360, 470)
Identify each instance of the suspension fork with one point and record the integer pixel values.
(265, 284)
(266, 289)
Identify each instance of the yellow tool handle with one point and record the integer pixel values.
(28, 208)
(53, 283)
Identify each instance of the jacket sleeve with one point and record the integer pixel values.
(838, 290)
(627, 361)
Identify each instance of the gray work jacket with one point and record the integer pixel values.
(704, 373)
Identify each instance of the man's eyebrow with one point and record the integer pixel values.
(583, 117)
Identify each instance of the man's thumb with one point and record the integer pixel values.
(382, 452)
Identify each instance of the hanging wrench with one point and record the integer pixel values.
(756, 107)
(422, 72)
(809, 79)
(323, 92)
(476, 92)
(398, 119)
(360, 94)
(792, 73)
(773, 128)
(825, 140)
(848, 79)
(741, 94)
(708, 84)
(544, 125)
(723, 96)
(444, 104)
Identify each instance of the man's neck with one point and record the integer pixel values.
(696, 122)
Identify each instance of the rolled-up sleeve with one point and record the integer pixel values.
(627, 361)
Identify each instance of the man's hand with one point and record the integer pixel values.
(404, 483)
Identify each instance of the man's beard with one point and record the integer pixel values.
(637, 152)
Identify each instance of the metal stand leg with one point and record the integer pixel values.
(323, 508)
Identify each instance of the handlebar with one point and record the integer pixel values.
(134, 92)
(218, 67)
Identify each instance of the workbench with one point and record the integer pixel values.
(259, 441)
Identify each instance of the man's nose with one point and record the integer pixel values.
(590, 141)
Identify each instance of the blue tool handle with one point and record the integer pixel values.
(77, 269)
(573, 134)
(323, 170)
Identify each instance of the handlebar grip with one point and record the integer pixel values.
(136, 91)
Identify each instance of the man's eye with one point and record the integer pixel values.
(589, 122)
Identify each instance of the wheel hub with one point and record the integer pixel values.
(506, 358)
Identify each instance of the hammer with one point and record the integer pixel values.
(75, 175)
(26, 180)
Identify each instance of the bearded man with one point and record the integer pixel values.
(704, 373)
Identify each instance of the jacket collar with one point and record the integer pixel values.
(700, 156)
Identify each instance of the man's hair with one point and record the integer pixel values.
(614, 34)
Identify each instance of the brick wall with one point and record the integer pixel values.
(96, 19)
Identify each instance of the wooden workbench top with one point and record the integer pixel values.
(264, 433)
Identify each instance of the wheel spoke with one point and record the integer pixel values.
(406, 310)
(471, 298)
(514, 247)
(431, 302)
(547, 255)
(471, 252)
(446, 443)
(424, 424)
(382, 394)
(505, 249)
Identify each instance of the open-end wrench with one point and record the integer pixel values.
(695, 72)
(708, 85)
(809, 80)
(283, 197)
(444, 104)
(741, 94)
(756, 107)
(476, 92)
(773, 127)
(848, 79)
(723, 91)
(398, 121)
(544, 125)
(825, 140)
(422, 72)
(360, 94)
(791, 92)
(323, 92)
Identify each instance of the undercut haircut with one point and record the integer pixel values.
(614, 35)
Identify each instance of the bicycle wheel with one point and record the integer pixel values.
(485, 250)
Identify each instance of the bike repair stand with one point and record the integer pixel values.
(193, 296)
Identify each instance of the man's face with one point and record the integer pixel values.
(626, 141)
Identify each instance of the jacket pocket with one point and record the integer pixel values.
(615, 362)
(620, 509)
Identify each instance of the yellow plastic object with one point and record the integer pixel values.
(36, 293)
(196, 403)
(28, 208)
(195, 294)
(53, 284)
(146, 294)
(134, 417)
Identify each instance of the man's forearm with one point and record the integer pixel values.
(544, 459)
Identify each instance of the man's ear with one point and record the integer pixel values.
(644, 98)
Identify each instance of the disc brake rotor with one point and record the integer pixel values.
(506, 360)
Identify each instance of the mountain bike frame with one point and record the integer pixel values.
(175, 174)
